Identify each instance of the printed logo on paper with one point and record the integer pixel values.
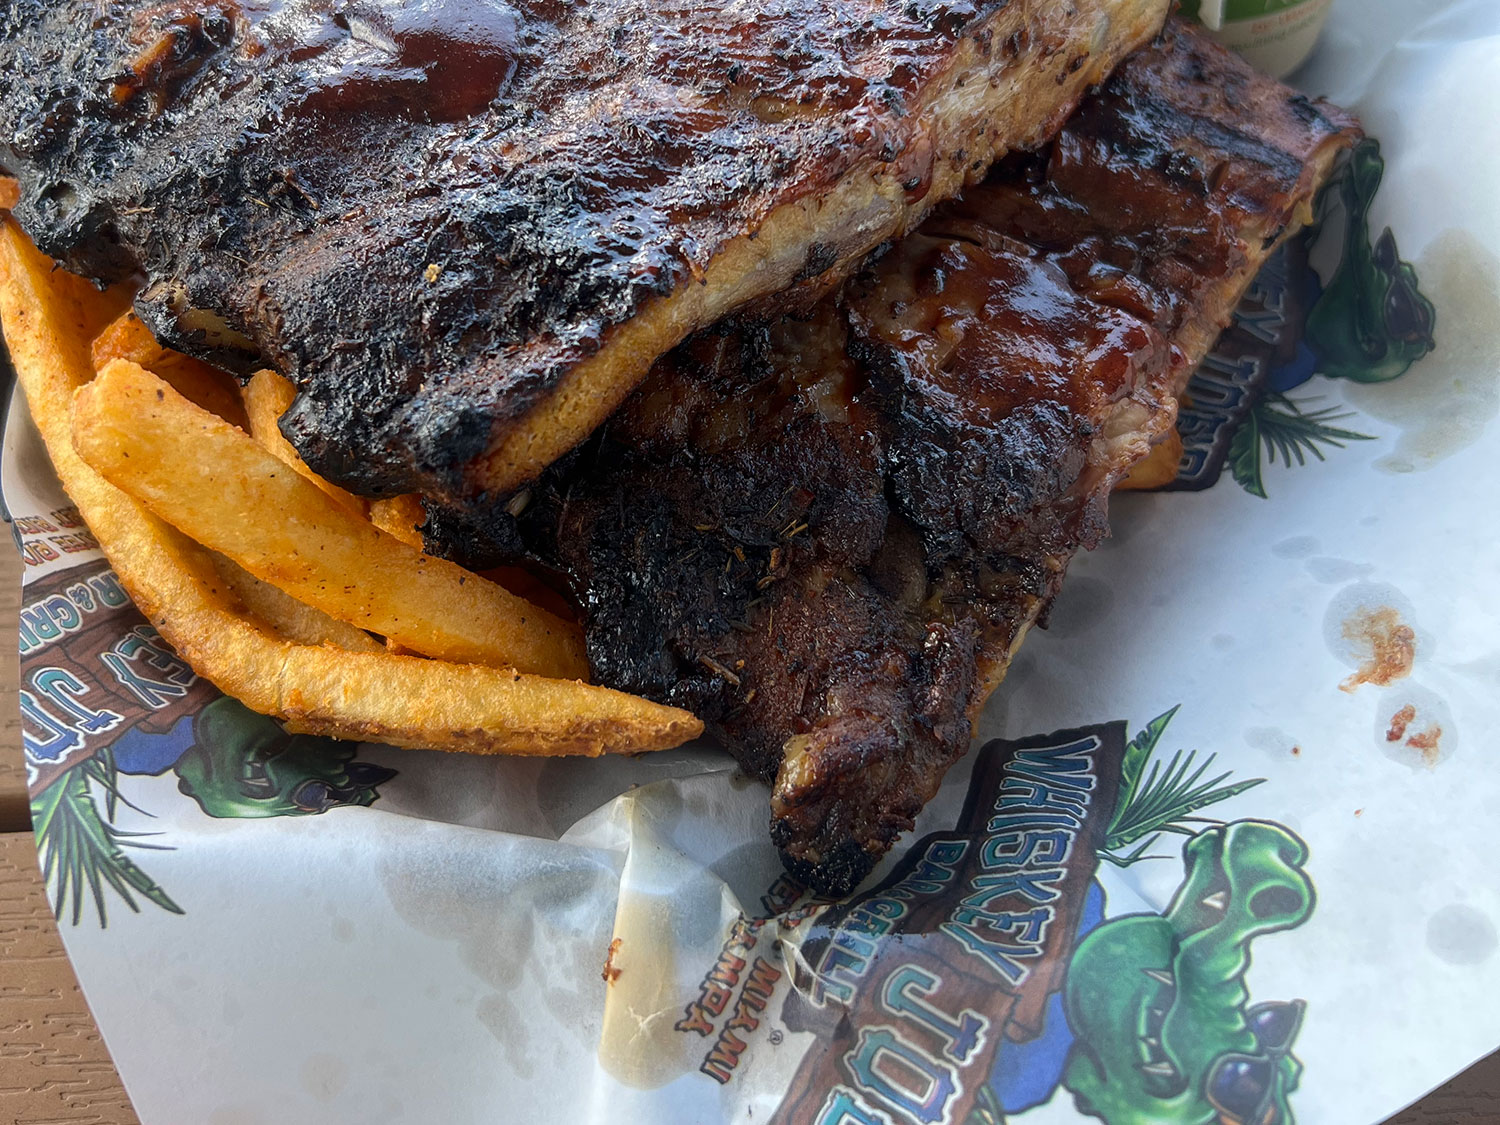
(103, 696)
(990, 975)
(1368, 324)
(52, 538)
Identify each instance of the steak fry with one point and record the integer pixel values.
(826, 536)
(464, 229)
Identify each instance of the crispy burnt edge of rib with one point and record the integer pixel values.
(819, 813)
(642, 169)
(903, 624)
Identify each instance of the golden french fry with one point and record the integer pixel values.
(400, 516)
(267, 396)
(289, 617)
(472, 708)
(10, 192)
(221, 488)
(128, 338)
(48, 318)
(403, 517)
(214, 390)
(1159, 467)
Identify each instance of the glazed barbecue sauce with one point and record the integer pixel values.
(442, 60)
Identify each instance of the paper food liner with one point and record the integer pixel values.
(1226, 855)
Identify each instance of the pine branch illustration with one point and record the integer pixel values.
(1244, 457)
(987, 1109)
(82, 852)
(1295, 432)
(1137, 753)
(1163, 799)
(1287, 432)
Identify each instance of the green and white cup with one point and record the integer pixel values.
(1276, 36)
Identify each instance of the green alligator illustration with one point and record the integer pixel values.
(1368, 324)
(1164, 1031)
(230, 760)
(244, 765)
(1371, 322)
(1154, 1024)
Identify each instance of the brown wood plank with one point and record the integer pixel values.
(1473, 1098)
(54, 1068)
(14, 813)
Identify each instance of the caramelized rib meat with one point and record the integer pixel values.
(827, 535)
(466, 228)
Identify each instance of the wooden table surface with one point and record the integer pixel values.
(54, 1067)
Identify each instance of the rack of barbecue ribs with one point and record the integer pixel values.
(725, 313)
(465, 229)
(826, 534)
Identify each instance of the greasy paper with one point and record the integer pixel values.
(1221, 851)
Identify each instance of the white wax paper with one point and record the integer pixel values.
(439, 954)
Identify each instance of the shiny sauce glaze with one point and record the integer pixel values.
(427, 213)
(438, 60)
(823, 534)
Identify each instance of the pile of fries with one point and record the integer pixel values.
(302, 601)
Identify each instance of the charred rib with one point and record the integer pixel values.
(860, 513)
(466, 228)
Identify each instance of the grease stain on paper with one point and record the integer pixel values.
(639, 1046)
(747, 870)
(1428, 741)
(1297, 547)
(1445, 402)
(1461, 935)
(1389, 645)
(498, 911)
(324, 1076)
(505, 1023)
(611, 973)
(1414, 726)
(1330, 570)
(1273, 741)
(1369, 626)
